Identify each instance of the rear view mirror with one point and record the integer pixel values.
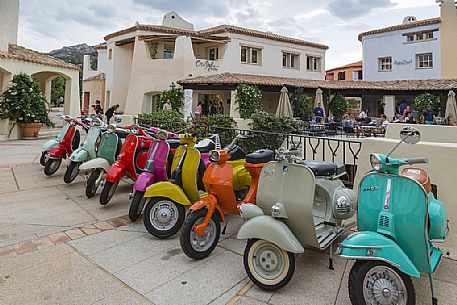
(117, 119)
(410, 135)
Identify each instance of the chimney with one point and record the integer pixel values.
(448, 39)
(9, 17)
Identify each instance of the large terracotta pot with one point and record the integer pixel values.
(30, 131)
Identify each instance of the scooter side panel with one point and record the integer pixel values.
(168, 190)
(375, 246)
(90, 141)
(144, 180)
(108, 147)
(57, 152)
(293, 186)
(275, 231)
(49, 144)
(404, 219)
(95, 163)
(189, 171)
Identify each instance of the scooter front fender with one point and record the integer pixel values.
(375, 246)
(210, 202)
(168, 190)
(80, 155)
(115, 172)
(144, 180)
(57, 152)
(275, 231)
(49, 144)
(95, 163)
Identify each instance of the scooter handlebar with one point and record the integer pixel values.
(419, 160)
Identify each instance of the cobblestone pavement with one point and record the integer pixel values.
(58, 247)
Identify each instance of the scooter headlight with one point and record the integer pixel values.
(214, 156)
(111, 128)
(162, 135)
(135, 129)
(376, 163)
(72, 122)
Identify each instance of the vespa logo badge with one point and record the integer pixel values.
(371, 188)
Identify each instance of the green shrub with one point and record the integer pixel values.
(169, 120)
(176, 97)
(421, 101)
(301, 104)
(23, 102)
(248, 98)
(338, 105)
(205, 125)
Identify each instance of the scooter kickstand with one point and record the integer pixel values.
(225, 227)
(434, 299)
(330, 258)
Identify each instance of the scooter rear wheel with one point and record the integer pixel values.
(72, 172)
(108, 192)
(92, 186)
(267, 265)
(52, 166)
(137, 205)
(374, 282)
(198, 246)
(163, 217)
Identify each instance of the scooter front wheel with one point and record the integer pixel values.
(267, 265)
(72, 172)
(374, 282)
(43, 158)
(136, 206)
(92, 185)
(108, 192)
(198, 246)
(51, 167)
(163, 217)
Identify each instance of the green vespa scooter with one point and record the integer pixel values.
(399, 219)
(86, 152)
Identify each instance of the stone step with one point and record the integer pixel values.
(49, 133)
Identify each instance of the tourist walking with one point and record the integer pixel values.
(110, 112)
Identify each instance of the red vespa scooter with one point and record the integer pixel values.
(69, 142)
(130, 162)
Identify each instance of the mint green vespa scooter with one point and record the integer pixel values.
(87, 151)
(399, 220)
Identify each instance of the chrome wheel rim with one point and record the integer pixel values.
(268, 261)
(54, 165)
(201, 243)
(383, 286)
(164, 215)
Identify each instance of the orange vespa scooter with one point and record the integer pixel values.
(201, 229)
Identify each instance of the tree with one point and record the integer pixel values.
(301, 104)
(176, 97)
(338, 105)
(421, 101)
(248, 99)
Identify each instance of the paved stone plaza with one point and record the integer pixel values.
(58, 247)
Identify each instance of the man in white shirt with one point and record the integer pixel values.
(363, 115)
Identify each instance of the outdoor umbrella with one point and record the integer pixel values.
(319, 99)
(451, 107)
(284, 106)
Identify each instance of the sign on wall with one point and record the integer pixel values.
(208, 65)
(403, 62)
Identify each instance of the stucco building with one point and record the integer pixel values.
(352, 71)
(142, 61)
(16, 59)
(415, 49)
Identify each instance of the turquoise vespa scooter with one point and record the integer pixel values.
(399, 220)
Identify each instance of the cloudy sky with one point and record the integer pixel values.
(45, 25)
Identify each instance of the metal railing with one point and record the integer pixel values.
(331, 149)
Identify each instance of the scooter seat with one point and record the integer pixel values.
(237, 154)
(174, 143)
(325, 169)
(205, 146)
(260, 156)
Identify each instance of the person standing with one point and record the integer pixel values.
(318, 113)
(110, 112)
(402, 108)
(98, 108)
(363, 115)
(167, 105)
(198, 110)
(427, 115)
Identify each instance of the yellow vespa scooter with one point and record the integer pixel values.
(165, 211)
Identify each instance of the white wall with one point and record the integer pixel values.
(9, 16)
(394, 44)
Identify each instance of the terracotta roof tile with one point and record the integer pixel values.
(404, 26)
(24, 54)
(216, 30)
(100, 76)
(399, 85)
(351, 65)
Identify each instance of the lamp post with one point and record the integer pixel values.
(172, 86)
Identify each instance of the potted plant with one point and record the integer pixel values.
(23, 104)
(338, 106)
